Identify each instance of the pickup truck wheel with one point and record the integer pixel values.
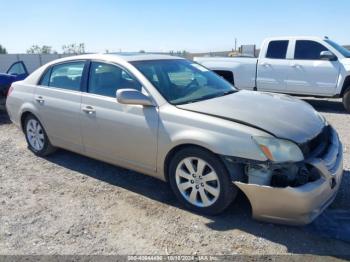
(346, 100)
(200, 181)
(37, 139)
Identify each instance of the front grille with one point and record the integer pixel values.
(317, 146)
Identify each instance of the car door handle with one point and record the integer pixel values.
(40, 99)
(265, 64)
(89, 110)
(296, 65)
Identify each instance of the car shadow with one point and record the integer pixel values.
(299, 240)
(116, 176)
(327, 106)
(332, 225)
(4, 118)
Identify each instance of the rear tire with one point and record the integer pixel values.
(37, 139)
(200, 181)
(346, 100)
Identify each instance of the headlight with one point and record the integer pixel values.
(279, 150)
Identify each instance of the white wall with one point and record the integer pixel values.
(32, 62)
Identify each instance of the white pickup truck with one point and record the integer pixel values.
(306, 66)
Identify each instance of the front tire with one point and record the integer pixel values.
(200, 181)
(37, 139)
(346, 100)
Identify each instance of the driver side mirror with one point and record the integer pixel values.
(133, 97)
(327, 55)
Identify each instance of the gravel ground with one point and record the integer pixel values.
(70, 204)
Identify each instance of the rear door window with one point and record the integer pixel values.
(308, 50)
(277, 49)
(67, 75)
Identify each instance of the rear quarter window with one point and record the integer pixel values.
(45, 78)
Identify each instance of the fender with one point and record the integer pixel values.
(346, 85)
(236, 144)
(233, 120)
(27, 108)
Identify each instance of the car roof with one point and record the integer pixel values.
(144, 57)
(128, 57)
(295, 38)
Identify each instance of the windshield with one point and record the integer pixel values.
(182, 81)
(345, 52)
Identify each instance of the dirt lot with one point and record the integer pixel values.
(70, 204)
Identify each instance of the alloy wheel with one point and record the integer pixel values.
(197, 181)
(35, 134)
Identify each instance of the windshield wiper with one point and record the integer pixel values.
(229, 92)
(197, 99)
(207, 97)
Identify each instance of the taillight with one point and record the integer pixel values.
(10, 90)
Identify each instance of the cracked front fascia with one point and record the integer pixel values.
(263, 199)
(293, 205)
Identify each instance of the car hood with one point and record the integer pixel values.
(280, 115)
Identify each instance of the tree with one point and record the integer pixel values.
(35, 49)
(3, 50)
(74, 49)
(46, 49)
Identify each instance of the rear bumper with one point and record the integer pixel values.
(299, 205)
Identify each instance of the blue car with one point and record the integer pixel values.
(16, 72)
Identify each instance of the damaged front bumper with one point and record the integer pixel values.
(299, 205)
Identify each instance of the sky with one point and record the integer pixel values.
(164, 25)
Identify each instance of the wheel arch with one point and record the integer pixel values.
(26, 109)
(230, 168)
(24, 115)
(236, 144)
(176, 149)
(346, 85)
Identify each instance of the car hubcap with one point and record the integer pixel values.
(35, 134)
(197, 181)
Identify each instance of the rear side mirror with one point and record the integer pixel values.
(328, 55)
(133, 97)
